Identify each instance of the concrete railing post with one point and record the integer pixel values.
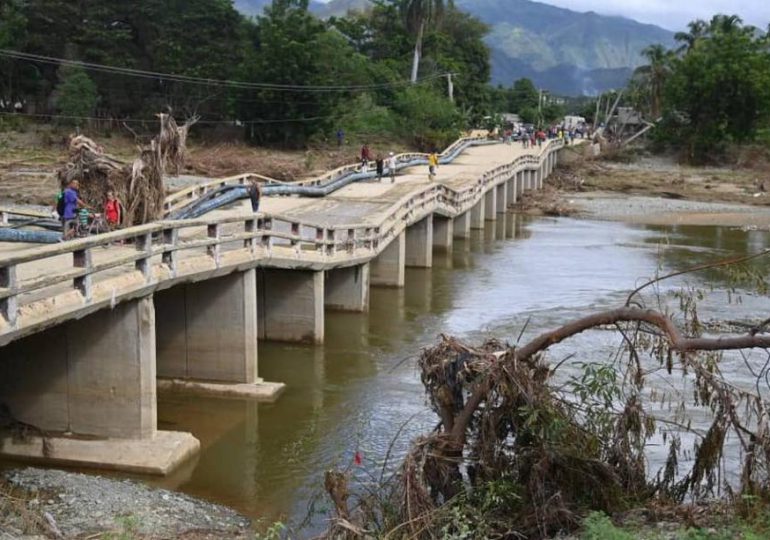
(213, 232)
(169, 257)
(9, 308)
(82, 259)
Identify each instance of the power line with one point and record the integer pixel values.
(148, 120)
(18, 55)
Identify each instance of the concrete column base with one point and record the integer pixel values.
(490, 205)
(477, 215)
(419, 244)
(502, 198)
(462, 226)
(261, 391)
(347, 289)
(157, 455)
(388, 268)
(291, 305)
(443, 233)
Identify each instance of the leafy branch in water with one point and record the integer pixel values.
(522, 450)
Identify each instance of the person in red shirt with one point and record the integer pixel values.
(113, 211)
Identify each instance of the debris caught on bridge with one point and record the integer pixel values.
(139, 184)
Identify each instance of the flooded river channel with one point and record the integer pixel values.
(354, 393)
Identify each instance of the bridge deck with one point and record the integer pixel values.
(113, 270)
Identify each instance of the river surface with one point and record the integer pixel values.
(355, 393)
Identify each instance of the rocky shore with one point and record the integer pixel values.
(39, 503)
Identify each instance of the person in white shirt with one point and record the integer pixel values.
(392, 163)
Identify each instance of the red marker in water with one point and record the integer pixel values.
(357, 459)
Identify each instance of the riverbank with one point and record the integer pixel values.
(655, 191)
(40, 503)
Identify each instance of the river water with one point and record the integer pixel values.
(355, 393)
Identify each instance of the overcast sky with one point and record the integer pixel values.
(673, 14)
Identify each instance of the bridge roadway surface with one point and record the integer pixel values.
(358, 204)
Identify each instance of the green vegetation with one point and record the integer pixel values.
(296, 78)
(710, 92)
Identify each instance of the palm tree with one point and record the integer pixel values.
(417, 14)
(653, 76)
(725, 24)
(698, 29)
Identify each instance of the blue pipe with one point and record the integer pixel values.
(32, 237)
(229, 194)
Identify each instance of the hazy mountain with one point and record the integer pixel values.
(562, 50)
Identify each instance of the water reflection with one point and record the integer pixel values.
(355, 391)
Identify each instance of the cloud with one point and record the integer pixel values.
(673, 14)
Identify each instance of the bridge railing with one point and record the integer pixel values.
(187, 195)
(154, 252)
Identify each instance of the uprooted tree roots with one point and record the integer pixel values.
(521, 451)
(138, 185)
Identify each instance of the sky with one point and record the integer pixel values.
(673, 14)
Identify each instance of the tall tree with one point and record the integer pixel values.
(652, 77)
(417, 15)
(697, 29)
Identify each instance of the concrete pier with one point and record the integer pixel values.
(347, 289)
(490, 205)
(443, 233)
(290, 305)
(207, 338)
(502, 197)
(512, 188)
(477, 215)
(419, 244)
(462, 226)
(388, 268)
(91, 379)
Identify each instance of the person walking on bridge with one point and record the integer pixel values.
(380, 164)
(392, 163)
(255, 195)
(432, 165)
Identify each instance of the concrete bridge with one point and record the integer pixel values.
(91, 329)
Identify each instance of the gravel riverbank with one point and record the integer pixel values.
(38, 503)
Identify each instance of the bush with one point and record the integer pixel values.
(597, 526)
(430, 120)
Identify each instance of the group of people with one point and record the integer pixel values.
(529, 138)
(77, 216)
(391, 162)
(367, 157)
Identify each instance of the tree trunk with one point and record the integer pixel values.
(417, 52)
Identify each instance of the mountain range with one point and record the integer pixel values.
(564, 51)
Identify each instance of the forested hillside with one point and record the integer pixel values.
(284, 77)
(564, 51)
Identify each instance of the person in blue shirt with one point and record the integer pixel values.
(71, 202)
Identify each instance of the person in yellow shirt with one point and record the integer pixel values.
(432, 165)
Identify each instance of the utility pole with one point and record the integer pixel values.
(450, 87)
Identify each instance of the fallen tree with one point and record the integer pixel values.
(139, 184)
(520, 451)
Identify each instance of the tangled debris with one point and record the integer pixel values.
(138, 185)
(520, 453)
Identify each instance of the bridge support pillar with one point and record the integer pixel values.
(207, 338)
(540, 176)
(94, 380)
(513, 196)
(462, 225)
(443, 233)
(419, 244)
(347, 289)
(291, 305)
(387, 269)
(502, 198)
(478, 215)
(490, 205)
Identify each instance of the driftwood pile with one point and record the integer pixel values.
(137, 185)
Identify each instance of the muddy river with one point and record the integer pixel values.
(355, 393)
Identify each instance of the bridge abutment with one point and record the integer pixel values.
(388, 268)
(419, 244)
(291, 305)
(89, 387)
(347, 289)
